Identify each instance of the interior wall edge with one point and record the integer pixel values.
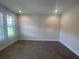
(7, 9)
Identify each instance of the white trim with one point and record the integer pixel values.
(41, 39)
(1, 48)
(69, 48)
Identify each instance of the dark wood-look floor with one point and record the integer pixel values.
(37, 50)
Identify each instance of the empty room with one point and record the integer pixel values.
(39, 29)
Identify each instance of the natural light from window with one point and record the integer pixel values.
(10, 26)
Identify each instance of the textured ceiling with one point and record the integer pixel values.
(38, 6)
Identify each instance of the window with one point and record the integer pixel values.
(10, 26)
(1, 27)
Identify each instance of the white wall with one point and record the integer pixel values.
(39, 27)
(69, 34)
(7, 41)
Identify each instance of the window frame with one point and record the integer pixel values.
(2, 27)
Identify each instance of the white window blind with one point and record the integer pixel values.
(10, 26)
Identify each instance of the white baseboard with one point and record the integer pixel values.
(3, 47)
(69, 48)
(41, 39)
